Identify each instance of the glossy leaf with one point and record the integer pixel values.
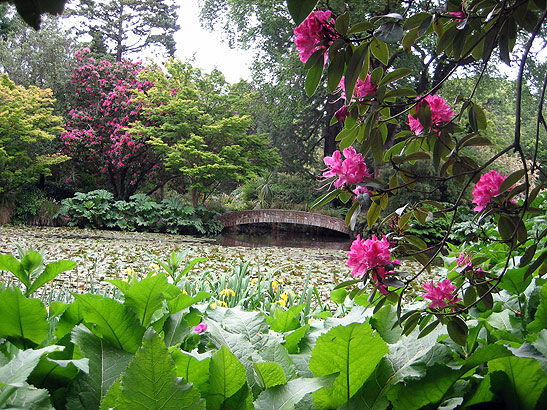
(380, 50)
(50, 272)
(300, 9)
(511, 180)
(226, 377)
(146, 296)
(390, 32)
(313, 78)
(355, 66)
(282, 320)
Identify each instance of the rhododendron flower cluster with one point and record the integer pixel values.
(315, 33)
(374, 256)
(440, 113)
(487, 187)
(104, 106)
(464, 260)
(351, 170)
(441, 295)
(362, 89)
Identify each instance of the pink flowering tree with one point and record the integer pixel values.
(394, 126)
(97, 137)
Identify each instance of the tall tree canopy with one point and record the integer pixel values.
(198, 125)
(27, 124)
(128, 26)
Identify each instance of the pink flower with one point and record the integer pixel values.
(441, 295)
(362, 88)
(368, 254)
(350, 171)
(440, 112)
(360, 190)
(202, 327)
(464, 260)
(460, 14)
(342, 113)
(487, 187)
(314, 33)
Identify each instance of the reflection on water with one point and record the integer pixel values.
(286, 239)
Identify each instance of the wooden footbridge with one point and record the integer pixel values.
(284, 216)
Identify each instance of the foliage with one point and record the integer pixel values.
(197, 123)
(99, 349)
(98, 209)
(42, 58)
(102, 106)
(129, 27)
(26, 124)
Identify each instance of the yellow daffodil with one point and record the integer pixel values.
(213, 305)
(184, 292)
(284, 296)
(275, 284)
(154, 266)
(223, 304)
(227, 292)
(282, 302)
(254, 281)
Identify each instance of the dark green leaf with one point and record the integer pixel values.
(335, 71)
(360, 27)
(342, 24)
(390, 32)
(300, 9)
(226, 377)
(394, 75)
(313, 78)
(511, 180)
(380, 51)
(325, 199)
(355, 65)
(458, 331)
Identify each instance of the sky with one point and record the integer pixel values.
(207, 47)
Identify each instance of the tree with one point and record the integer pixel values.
(26, 124)
(129, 26)
(197, 124)
(96, 134)
(42, 58)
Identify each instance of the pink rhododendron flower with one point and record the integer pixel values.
(366, 254)
(440, 112)
(360, 190)
(202, 327)
(362, 88)
(342, 113)
(464, 260)
(460, 14)
(487, 187)
(314, 33)
(441, 295)
(349, 171)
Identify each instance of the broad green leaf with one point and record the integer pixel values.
(9, 263)
(540, 319)
(383, 321)
(380, 51)
(23, 321)
(282, 320)
(285, 397)
(251, 325)
(511, 180)
(106, 364)
(150, 382)
(458, 331)
(192, 369)
(179, 326)
(113, 321)
(518, 381)
(313, 78)
(373, 394)
(183, 301)
(28, 398)
(226, 377)
(111, 396)
(513, 281)
(292, 340)
(390, 32)
(19, 368)
(336, 71)
(353, 351)
(50, 272)
(416, 20)
(338, 295)
(278, 354)
(300, 9)
(271, 374)
(440, 378)
(70, 318)
(146, 296)
(394, 75)
(355, 65)
(31, 261)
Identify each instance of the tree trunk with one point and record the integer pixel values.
(195, 197)
(331, 131)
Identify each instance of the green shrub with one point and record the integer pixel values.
(97, 209)
(27, 204)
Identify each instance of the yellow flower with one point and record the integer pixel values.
(213, 305)
(309, 321)
(282, 302)
(291, 293)
(254, 281)
(184, 292)
(275, 284)
(154, 266)
(129, 271)
(227, 292)
(284, 296)
(223, 304)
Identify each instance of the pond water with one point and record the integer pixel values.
(284, 236)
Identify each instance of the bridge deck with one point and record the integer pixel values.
(283, 216)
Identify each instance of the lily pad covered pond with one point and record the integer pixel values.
(102, 255)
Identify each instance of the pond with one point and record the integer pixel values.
(102, 255)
